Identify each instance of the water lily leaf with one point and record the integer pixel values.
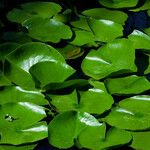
(143, 7)
(32, 9)
(115, 137)
(11, 147)
(3, 80)
(18, 16)
(36, 57)
(148, 12)
(91, 136)
(20, 123)
(65, 128)
(147, 30)
(132, 114)
(43, 9)
(71, 51)
(81, 23)
(65, 102)
(140, 40)
(127, 85)
(47, 30)
(105, 30)
(118, 3)
(116, 57)
(82, 37)
(7, 48)
(95, 100)
(141, 140)
(15, 94)
(106, 14)
(18, 37)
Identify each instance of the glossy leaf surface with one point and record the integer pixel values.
(118, 3)
(116, 57)
(105, 30)
(133, 114)
(95, 100)
(140, 40)
(141, 140)
(34, 57)
(19, 123)
(15, 94)
(127, 85)
(47, 30)
(106, 14)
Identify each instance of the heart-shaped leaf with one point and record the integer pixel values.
(15, 94)
(96, 100)
(20, 123)
(132, 114)
(65, 102)
(36, 57)
(140, 40)
(141, 140)
(127, 85)
(106, 14)
(118, 3)
(32, 9)
(47, 30)
(105, 30)
(65, 127)
(116, 57)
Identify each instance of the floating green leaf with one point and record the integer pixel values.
(65, 102)
(47, 30)
(132, 114)
(95, 100)
(82, 37)
(141, 140)
(116, 57)
(65, 128)
(32, 9)
(15, 94)
(127, 85)
(36, 57)
(105, 30)
(20, 123)
(118, 3)
(147, 30)
(106, 14)
(143, 7)
(140, 40)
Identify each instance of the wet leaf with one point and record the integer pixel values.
(127, 85)
(106, 14)
(116, 57)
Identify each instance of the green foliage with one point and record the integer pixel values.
(73, 76)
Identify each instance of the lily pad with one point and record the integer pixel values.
(118, 3)
(132, 114)
(47, 30)
(95, 101)
(140, 40)
(141, 140)
(106, 14)
(105, 30)
(127, 85)
(15, 94)
(65, 128)
(114, 58)
(20, 123)
(33, 9)
(33, 57)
